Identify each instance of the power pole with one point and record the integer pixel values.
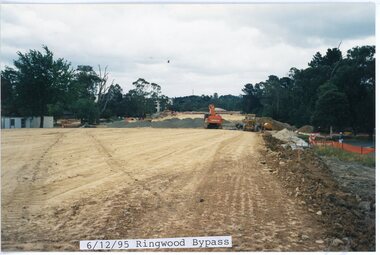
(158, 106)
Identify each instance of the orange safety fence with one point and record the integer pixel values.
(345, 146)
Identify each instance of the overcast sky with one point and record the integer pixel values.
(211, 48)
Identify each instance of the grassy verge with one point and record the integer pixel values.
(367, 160)
(304, 137)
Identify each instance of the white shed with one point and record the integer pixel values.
(26, 122)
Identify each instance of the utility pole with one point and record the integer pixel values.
(158, 106)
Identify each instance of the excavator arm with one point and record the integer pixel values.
(211, 109)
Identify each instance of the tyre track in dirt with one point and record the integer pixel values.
(256, 214)
(111, 162)
(144, 183)
(72, 187)
(26, 198)
(155, 192)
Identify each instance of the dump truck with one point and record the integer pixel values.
(212, 119)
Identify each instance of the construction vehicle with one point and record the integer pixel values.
(212, 119)
(250, 123)
(253, 124)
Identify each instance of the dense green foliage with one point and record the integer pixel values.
(41, 85)
(200, 103)
(38, 82)
(333, 91)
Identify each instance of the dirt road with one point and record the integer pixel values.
(60, 186)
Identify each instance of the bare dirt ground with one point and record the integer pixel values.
(60, 186)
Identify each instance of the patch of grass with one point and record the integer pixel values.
(367, 160)
(304, 137)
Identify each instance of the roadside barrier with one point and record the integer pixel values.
(344, 146)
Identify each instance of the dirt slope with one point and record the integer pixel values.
(60, 186)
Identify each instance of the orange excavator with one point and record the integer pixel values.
(212, 119)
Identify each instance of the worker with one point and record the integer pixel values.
(340, 137)
(312, 139)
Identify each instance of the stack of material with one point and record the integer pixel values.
(69, 123)
(276, 125)
(291, 139)
(306, 129)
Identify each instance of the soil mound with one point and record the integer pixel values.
(290, 138)
(349, 220)
(276, 125)
(306, 129)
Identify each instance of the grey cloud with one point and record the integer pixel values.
(212, 48)
(303, 24)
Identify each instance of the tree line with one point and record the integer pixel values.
(333, 91)
(201, 103)
(41, 85)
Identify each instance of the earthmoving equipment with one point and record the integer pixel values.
(253, 124)
(250, 123)
(212, 119)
